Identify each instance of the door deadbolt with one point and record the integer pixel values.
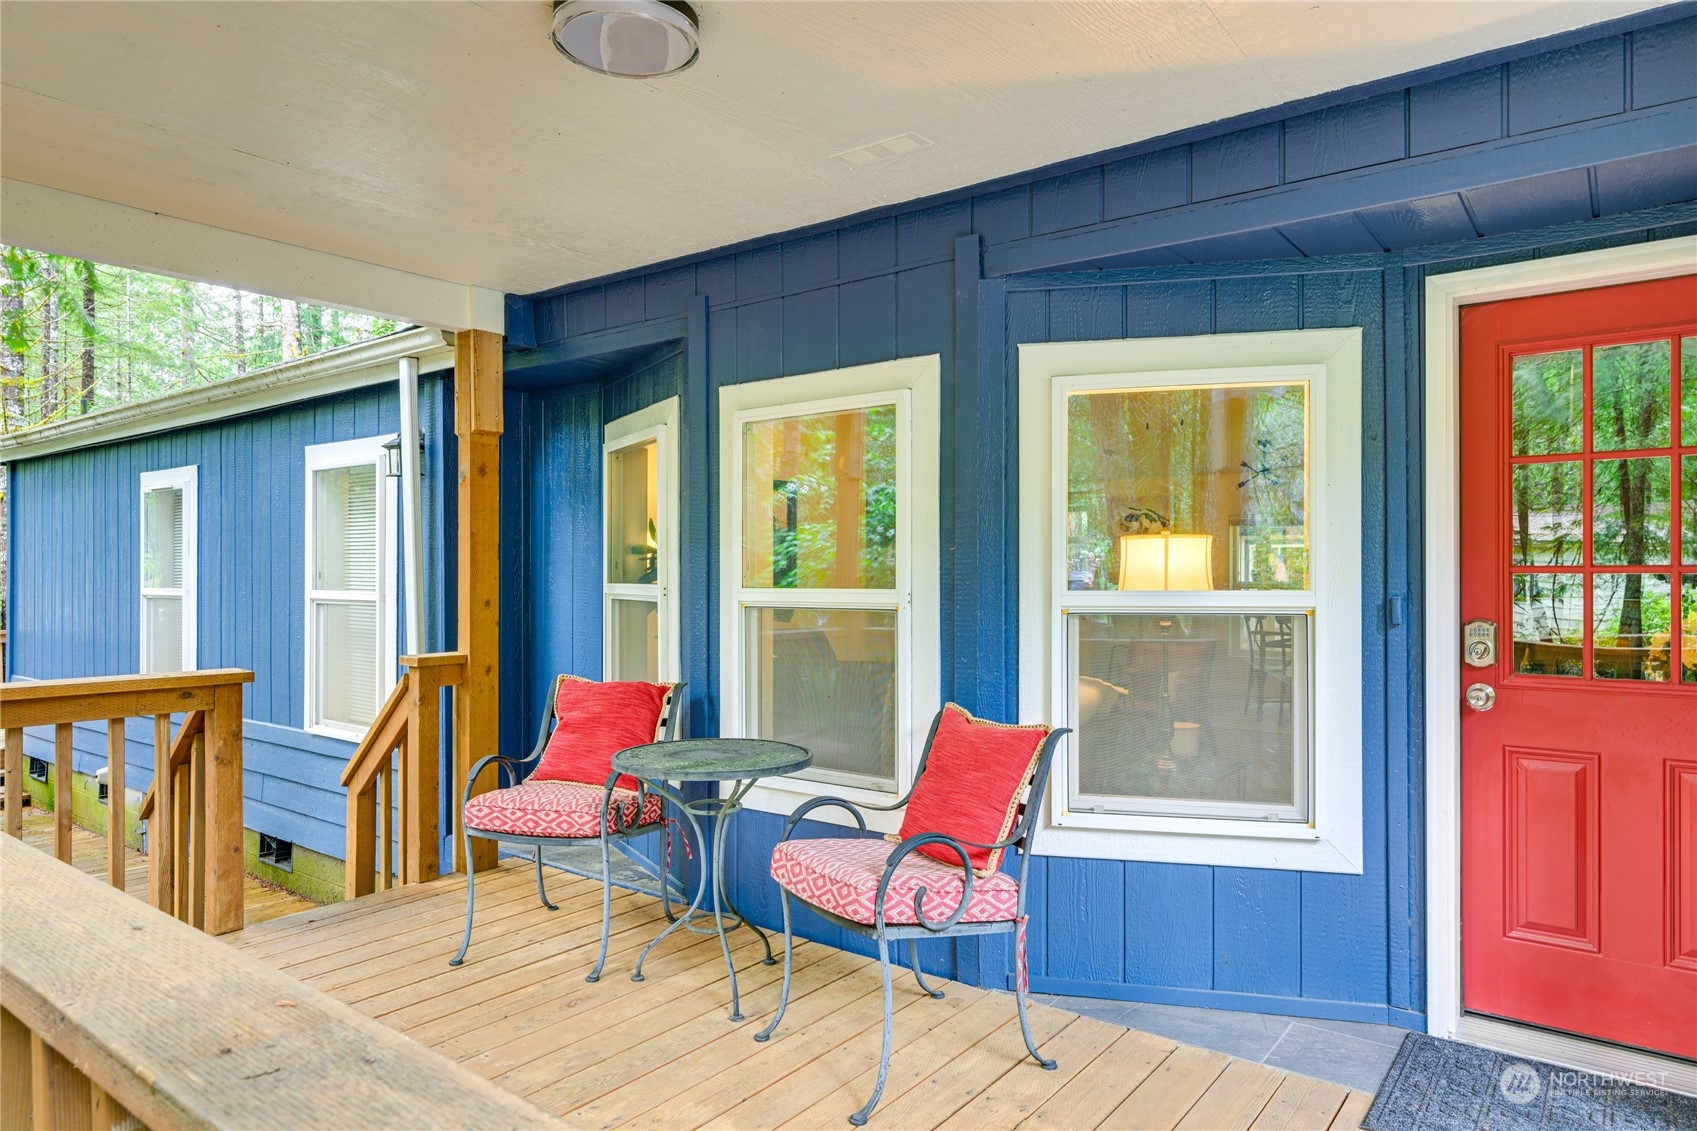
(1481, 696)
(1479, 643)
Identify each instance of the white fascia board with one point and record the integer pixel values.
(351, 367)
(66, 223)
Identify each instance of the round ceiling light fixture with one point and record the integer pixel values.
(633, 39)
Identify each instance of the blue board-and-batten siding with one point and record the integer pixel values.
(1330, 215)
(74, 587)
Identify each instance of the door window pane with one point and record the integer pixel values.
(344, 529)
(1548, 526)
(347, 661)
(1631, 388)
(1688, 504)
(1631, 626)
(826, 679)
(1195, 488)
(1549, 398)
(819, 501)
(1630, 515)
(1688, 392)
(1204, 708)
(1549, 623)
(162, 534)
(1688, 614)
(164, 628)
(635, 638)
(633, 540)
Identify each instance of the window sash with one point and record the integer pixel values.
(656, 425)
(167, 569)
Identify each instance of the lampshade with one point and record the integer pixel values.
(627, 38)
(1166, 561)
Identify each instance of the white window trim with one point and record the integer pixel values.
(914, 384)
(186, 479)
(1446, 294)
(352, 453)
(658, 422)
(1331, 360)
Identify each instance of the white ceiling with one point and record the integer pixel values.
(452, 141)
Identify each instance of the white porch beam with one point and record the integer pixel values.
(65, 223)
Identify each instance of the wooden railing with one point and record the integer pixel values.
(195, 857)
(395, 770)
(200, 1034)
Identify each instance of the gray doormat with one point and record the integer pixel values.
(1438, 1085)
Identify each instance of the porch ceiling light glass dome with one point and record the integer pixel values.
(633, 39)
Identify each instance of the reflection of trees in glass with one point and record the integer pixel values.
(1548, 396)
(1204, 458)
(842, 467)
(1631, 391)
(1547, 526)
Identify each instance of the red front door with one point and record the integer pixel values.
(1579, 782)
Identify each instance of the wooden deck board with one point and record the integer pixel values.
(663, 1053)
(261, 903)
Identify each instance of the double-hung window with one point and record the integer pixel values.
(168, 566)
(639, 470)
(350, 585)
(829, 628)
(1192, 575)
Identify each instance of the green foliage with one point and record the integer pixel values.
(77, 337)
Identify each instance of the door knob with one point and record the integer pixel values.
(1481, 696)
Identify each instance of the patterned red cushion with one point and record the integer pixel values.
(842, 877)
(971, 786)
(554, 808)
(594, 721)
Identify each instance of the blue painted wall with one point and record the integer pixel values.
(1326, 214)
(74, 606)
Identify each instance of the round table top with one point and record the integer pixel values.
(712, 759)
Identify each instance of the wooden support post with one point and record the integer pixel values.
(15, 782)
(62, 792)
(15, 1105)
(221, 851)
(115, 809)
(361, 865)
(421, 787)
(59, 1094)
(478, 391)
(162, 825)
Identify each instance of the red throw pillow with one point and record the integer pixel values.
(971, 786)
(592, 722)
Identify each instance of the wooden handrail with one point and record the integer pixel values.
(205, 1036)
(395, 768)
(193, 808)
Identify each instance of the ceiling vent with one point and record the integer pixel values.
(890, 147)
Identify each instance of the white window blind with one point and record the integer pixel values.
(350, 590)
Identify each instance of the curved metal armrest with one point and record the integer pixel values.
(811, 804)
(906, 848)
(476, 770)
(613, 819)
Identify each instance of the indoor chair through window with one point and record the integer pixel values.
(565, 790)
(975, 795)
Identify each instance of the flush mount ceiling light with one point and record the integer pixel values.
(633, 39)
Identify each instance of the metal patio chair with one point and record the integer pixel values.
(560, 812)
(891, 892)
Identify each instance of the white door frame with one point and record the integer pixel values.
(1445, 296)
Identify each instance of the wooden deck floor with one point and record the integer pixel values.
(88, 852)
(662, 1053)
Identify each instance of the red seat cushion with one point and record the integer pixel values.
(841, 876)
(555, 808)
(970, 789)
(593, 722)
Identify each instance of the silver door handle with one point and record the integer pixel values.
(1481, 696)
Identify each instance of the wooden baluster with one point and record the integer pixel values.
(109, 1114)
(62, 792)
(15, 1106)
(115, 809)
(362, 843)
(182, 851)
(403, 787)
(197, 832)
(59, 1093)
(162, 825)
(385, 828)
(15, 783)
(221, 856)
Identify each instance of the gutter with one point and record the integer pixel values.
(351, 367)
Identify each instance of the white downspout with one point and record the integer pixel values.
(412, 537)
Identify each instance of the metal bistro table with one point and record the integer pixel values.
(742, 761)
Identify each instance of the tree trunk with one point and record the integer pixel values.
(185, 339)
(241, 333)
(11, 362)
(88, 338)
(49, 344)
(292, 339)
